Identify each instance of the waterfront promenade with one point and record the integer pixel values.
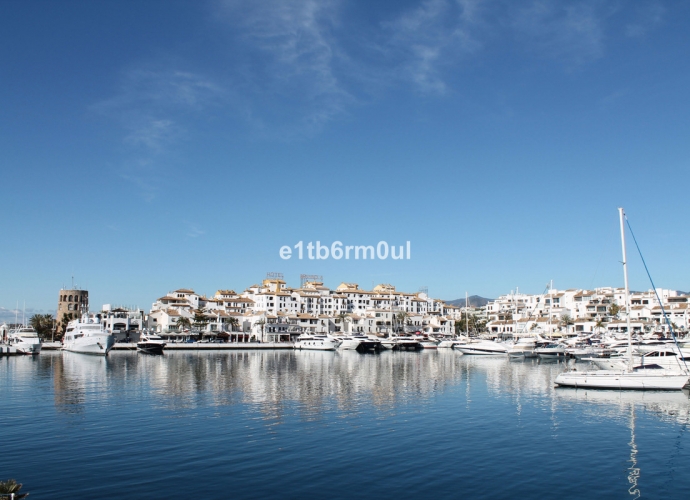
(192, 346)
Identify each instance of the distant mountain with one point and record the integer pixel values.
(474, 300)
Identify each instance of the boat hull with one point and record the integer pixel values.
(479, 352)
(150, 347)
(428, 345)
(350, 344)
(407, 346)
(94, 345)
(608, 379)
(26, 348)
(369, 345)
(310, 345)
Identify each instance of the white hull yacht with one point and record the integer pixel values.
(317, 342)
(87, 336)
(481, 347)
(667, 359)
(25, 340)
(551, 351)
(524, 348)
(347, 342)
(653, 380)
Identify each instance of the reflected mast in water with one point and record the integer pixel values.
(634, 471)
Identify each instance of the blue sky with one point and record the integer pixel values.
(148, 146)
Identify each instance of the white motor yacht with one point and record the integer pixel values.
(151, 343)
(481, 347)
(87, 335)
(667, 359)
(524, 348)
(428, 343)
(348, 342)
(367, 343)
(25, 340)
(316, 342)
(625, 379)
(551, 351)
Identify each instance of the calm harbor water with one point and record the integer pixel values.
(330, 425)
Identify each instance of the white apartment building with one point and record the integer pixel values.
(273, 311)
(588, 311)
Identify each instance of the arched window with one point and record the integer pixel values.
(69, 307)
(70, 298)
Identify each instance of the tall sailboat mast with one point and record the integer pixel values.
(627, 292)
(467, 318)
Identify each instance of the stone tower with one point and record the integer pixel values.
(71, 304)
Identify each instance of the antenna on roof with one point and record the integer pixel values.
(304, 278)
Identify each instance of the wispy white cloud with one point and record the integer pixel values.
(571, 32)
(649, 16)
(150, 103)
(193, 230)
(151, 106)
(299, 53)
(293, 66)
(162, 89)
(432, 36)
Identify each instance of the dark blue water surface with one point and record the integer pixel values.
(266, 424)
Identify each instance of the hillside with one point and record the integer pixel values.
(474, 300)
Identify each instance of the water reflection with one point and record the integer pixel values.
(313, 379)
(317, 380)
(76, 379)
(276, 387)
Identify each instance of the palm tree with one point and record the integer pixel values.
(600, 324)
(43, 324)
(200, 321)
(63, 323)
(183, 323)
(614, 309)
(402, 317)
(10, 488)
(342, 318)
(233, 323)
(566, 321)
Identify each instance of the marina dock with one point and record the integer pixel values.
(210, 346)
(176, 346)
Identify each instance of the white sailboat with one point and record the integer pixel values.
(630, 377)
